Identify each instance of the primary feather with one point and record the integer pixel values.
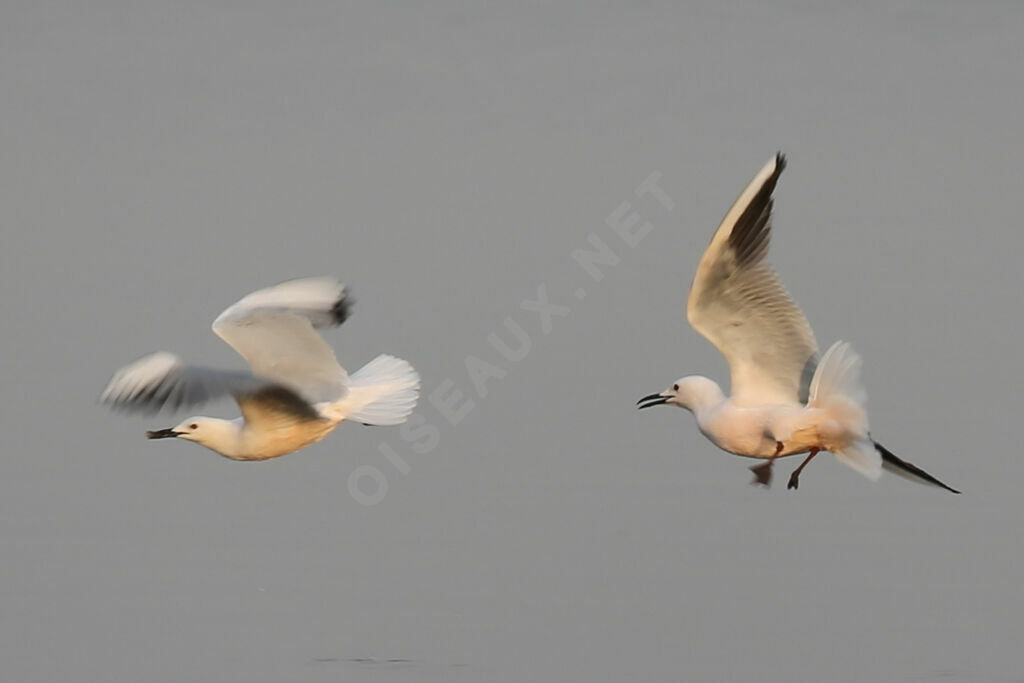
(738, 304)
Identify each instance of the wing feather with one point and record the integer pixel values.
(274, 406)
(738, 303)
(161, 381)
(273, 329)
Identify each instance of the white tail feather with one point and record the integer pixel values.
(382, 392)
(837, 373)
(863, 457)
(836, 390)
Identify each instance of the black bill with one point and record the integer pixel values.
(654, 400)
(162, 434)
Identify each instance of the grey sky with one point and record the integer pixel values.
(158, 161)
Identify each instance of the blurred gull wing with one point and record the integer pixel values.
(162, 381)
(273, 329)
(738, 304)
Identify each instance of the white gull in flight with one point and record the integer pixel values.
(784, 400)
(296, 394)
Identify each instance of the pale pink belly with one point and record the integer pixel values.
(285, 440)
(752, 433)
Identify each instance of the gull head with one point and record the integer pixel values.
(218, 435)
(692, 393)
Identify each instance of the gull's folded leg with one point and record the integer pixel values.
(794, 479)
(763, 472)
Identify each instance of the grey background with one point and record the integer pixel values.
(159, 160)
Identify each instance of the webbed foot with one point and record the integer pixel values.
(794, 479)
(762, 474)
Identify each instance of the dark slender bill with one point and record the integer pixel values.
(896, 463)
(162, 434)
(655, 400)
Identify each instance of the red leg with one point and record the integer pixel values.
(763, 472)
(794, 479)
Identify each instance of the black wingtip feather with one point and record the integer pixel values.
(898, 463)
(342, 308)
(749, 236)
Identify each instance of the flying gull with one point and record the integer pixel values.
(784, 400)
(296, 393)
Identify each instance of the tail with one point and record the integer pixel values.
(861, 456)
(836, 389)
(906, 470)
(382, 392)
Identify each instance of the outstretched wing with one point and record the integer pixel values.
(274, 330)
(737, 303)
(162, 381)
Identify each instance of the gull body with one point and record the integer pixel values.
(236, 440)
(784, 400)
(296, 393)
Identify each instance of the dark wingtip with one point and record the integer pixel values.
(899, 463)
(342, 308)
(780, 162)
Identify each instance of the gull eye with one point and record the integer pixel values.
(193, 426)
(675, 387)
